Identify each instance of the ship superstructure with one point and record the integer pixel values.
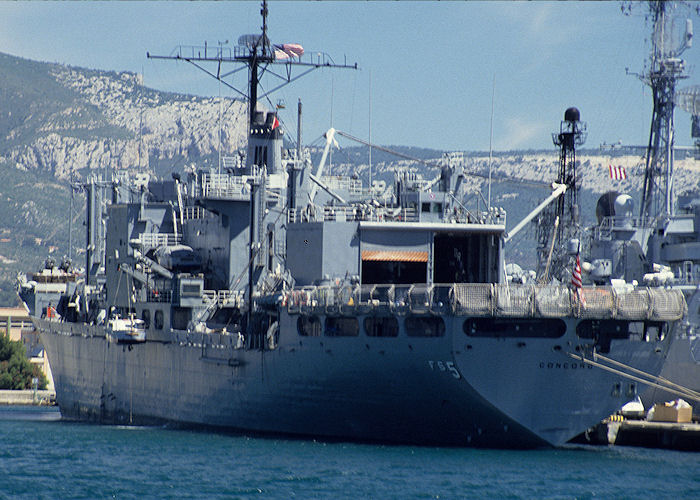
(268, 297)
(661, 245)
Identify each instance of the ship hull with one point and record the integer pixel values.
(682, 367)
(452, 390)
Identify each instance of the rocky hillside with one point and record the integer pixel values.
(60, 119)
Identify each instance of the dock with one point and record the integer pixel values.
(665, 435)
(27, 397)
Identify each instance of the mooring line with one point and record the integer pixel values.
(655, 378)
(633, 377)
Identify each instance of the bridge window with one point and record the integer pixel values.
(376, 326)
(191, 290)
(424, 326)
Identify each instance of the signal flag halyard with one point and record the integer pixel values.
(617, 173)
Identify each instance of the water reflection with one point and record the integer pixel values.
(30, 413)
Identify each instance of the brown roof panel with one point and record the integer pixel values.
(395, 255)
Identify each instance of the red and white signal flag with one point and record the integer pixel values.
(617, 173)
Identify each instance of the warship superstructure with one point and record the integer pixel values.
(660, 245)
(268, 297)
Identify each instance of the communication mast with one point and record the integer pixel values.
(559, 223)
(259, 56)
(666, 68)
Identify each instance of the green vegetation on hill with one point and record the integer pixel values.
(34, 224)
(16, 372)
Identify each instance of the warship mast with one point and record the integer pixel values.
(259, 56)
(666, 68)
(559, 223)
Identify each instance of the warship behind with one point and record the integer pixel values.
(661, 245)
(270, 298)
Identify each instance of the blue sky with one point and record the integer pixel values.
(432, 64)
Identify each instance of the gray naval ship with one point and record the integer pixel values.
(659, 245)
(270, 298)
(661, 251)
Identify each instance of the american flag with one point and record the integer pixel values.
(617, 173)
(288, 50)
(577, 281)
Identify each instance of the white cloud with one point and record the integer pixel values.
(521, 133)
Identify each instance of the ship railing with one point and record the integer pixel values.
(489, 299)
(352, 213)
(224, 186)
(156, 295)
(608, 225)
(222, 298)
(551, 301)
(347, 184)
(686, 273)
(389, 214)
(202, 51)
(15, 324)
(192, 212)
(154, 240)
(232, 162)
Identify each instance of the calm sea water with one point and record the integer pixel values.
(43, 457)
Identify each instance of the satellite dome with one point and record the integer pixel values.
(572, 115)
(606, 205)
(624, 206)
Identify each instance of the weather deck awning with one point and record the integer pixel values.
(394, 256)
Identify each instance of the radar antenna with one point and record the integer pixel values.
(666, 68)
(259, 56)
(560, 221)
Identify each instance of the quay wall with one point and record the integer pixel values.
(27, 397)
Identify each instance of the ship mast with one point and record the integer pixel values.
(259, 56)
(666, 68)
(559, 223)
